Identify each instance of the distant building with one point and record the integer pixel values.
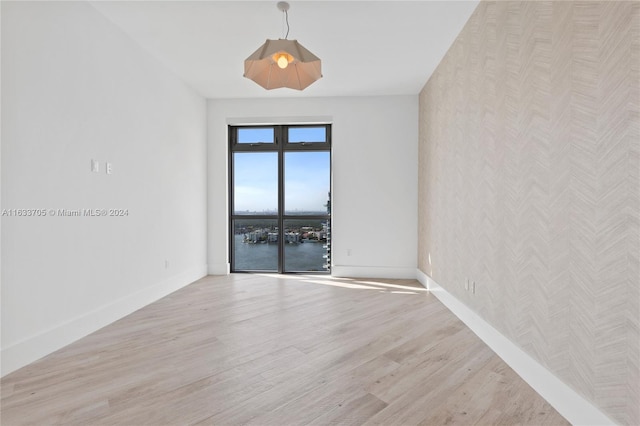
(292, 237)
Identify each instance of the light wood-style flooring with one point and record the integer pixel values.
(278, 350)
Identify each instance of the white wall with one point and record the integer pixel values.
(74, 87)
(374, 196)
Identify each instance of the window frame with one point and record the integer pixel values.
(280, 145)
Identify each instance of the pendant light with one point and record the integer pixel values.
(283, 62)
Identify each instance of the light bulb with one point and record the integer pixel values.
(283, 62)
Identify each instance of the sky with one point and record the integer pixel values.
(307, 176)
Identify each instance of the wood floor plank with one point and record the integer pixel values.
(264, 349)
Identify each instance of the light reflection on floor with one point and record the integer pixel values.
(382, 286)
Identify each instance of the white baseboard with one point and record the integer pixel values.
(219, 269)
(35, 347)
(372, 272)
(566, 401)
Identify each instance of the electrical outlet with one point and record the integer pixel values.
(348, 252)
(95, 166)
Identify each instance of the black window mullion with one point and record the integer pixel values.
(231, 179)
(309, 217)
(280, 142)
(233, 132)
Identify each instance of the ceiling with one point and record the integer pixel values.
(368, 48)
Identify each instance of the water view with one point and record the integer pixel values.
(299, 257)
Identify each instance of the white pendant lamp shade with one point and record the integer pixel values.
(283, 63)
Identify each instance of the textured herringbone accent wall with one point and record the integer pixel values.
(529, 185)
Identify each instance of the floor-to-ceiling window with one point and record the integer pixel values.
(280, 198)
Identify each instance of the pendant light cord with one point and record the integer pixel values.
(286, 17)
(283, 6)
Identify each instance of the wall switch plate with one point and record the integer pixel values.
(466, 284)
(109, 168)
(473, 288)
(95, 166)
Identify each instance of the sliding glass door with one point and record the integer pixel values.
(280, 198)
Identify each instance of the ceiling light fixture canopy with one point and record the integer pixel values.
(283, 62)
